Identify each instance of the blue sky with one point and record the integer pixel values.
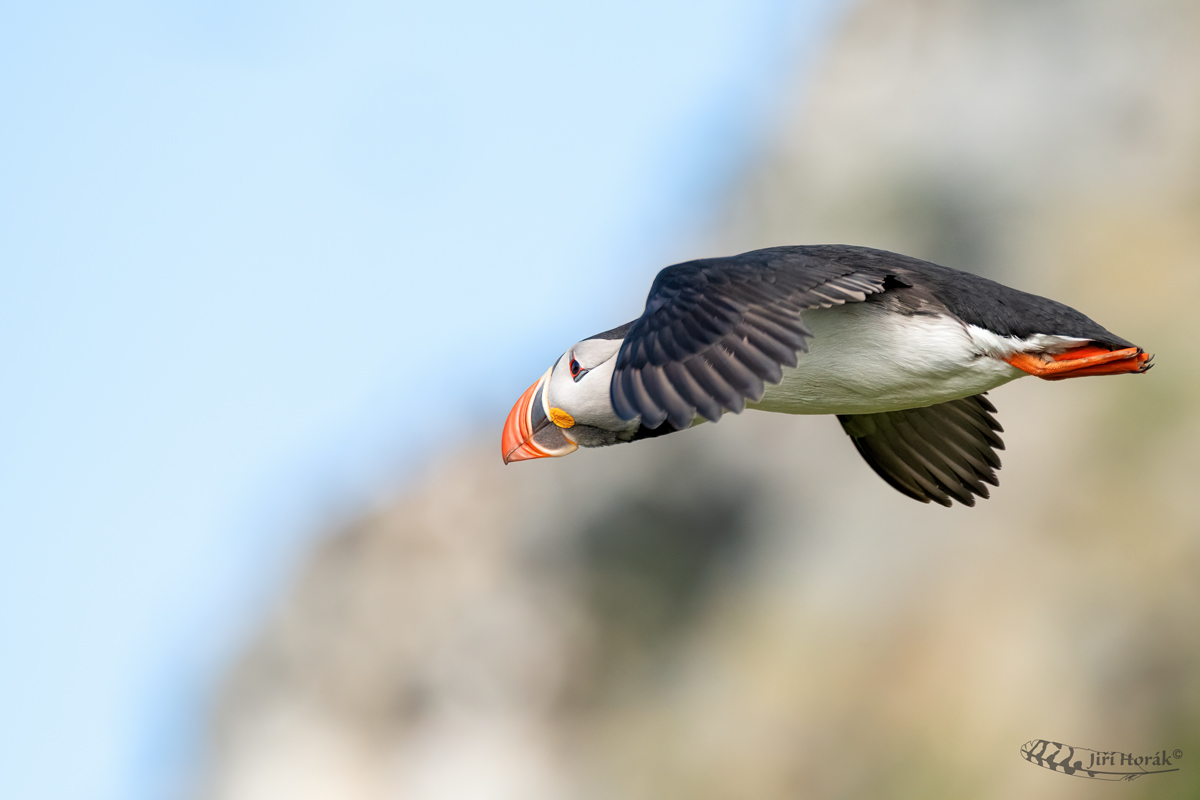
(259, 259)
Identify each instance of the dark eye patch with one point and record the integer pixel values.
(577, 371)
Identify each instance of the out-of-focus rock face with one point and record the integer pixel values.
(466, 641)
(745, 610)
(936, 126)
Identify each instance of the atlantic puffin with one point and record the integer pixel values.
(901, 350)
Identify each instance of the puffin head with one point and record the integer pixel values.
(569, 406)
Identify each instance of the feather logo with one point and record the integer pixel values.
(1101, 765)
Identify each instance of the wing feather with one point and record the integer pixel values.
(716, 331)
(937, 453)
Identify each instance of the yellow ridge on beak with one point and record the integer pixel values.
(528, 432)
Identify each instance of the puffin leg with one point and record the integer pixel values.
(1081, 362)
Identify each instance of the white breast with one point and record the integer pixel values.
(864, 359)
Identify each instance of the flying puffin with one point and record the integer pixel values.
(901, 350)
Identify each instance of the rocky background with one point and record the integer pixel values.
(746, 610)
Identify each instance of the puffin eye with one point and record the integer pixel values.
(577, 371)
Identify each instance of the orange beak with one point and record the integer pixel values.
(529, 431)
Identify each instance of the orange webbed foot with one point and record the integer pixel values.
(1082, 362)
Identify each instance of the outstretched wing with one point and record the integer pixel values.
(715, 331)
(941, 453)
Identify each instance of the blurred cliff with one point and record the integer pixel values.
(746, 610)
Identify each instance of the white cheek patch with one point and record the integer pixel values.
(587, 400)
(591, 353)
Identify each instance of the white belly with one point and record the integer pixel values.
(863, 359)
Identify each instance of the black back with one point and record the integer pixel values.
(976, 300)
